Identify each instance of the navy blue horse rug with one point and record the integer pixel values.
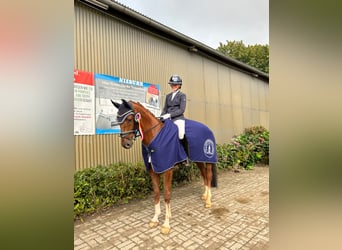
(201, 140)
(165, 150)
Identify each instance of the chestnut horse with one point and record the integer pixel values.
(135, 120)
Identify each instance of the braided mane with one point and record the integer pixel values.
(141, 106)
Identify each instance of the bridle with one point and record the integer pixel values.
(136, 131)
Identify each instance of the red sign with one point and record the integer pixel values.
(153, 90)
(83, 77)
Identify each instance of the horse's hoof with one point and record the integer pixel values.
(204, 197)
(207, 205)
(153, 224)
(165, 230)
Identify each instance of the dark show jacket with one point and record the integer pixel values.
(175, 107)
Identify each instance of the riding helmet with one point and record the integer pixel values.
(175, 79)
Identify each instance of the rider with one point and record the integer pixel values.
(174, 107)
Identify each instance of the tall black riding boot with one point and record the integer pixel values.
(184, 143)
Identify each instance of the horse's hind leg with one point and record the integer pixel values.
(167, 196)
(206, 172)
(203, 171)
(155, 183)
(208, 179)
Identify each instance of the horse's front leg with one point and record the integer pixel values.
(167, 197)
(206, 175)
(155, 184)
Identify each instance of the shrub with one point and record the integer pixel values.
(100, 187)
(185, 174)
(245, 150)
(103, 186)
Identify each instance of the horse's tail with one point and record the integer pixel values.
(214, 176)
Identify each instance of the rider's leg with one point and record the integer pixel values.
(181, 128)
(181, 135)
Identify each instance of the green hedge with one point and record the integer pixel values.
(245, 150)
(103, 186)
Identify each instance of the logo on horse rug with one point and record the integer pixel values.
(201, 140)
(209, 148)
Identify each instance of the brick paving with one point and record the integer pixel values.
(238, 218)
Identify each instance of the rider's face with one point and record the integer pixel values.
(174, 87)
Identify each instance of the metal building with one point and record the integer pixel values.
(222, 93)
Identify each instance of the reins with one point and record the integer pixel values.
(154, 126)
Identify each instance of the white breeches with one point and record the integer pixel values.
(181, 128)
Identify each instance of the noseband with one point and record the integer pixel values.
(135, 132)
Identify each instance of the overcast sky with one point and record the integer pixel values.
(210, 21)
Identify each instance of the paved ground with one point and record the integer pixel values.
(238, 218)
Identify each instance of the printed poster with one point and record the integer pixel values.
(84, 103)
(115, 88)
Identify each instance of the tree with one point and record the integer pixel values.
(256, 56)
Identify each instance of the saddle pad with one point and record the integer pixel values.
(165, 150)
(201, 140)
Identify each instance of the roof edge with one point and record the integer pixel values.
(193, 45)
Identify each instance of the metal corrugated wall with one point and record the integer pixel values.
(223, 98)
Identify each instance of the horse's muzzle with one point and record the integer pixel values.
(127, 144)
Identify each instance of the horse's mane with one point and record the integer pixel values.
(142, 106)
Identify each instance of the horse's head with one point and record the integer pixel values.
(128, 125)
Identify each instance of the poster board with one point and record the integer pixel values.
(116, 88)
(84, 103)
(93, 111)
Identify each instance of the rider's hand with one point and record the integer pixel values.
(165, 116)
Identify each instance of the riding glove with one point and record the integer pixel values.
(165, 116)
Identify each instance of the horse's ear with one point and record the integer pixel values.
(117, 105)
(127, 104)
